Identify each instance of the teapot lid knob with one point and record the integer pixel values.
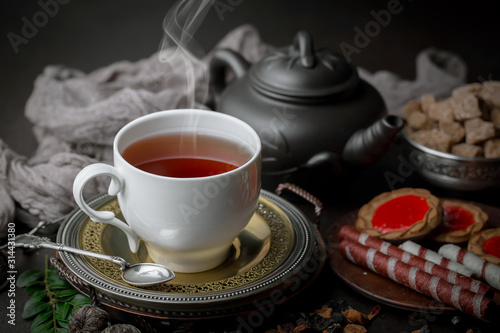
(304, 45)
(300, 72)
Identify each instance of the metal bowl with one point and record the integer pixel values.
(452, 171)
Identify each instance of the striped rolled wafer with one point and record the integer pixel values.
(435, 257)
(481, 268)
(462, 299)
(351, 233)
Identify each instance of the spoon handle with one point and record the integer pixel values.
(32, 241)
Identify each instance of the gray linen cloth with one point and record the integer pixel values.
(76, 115)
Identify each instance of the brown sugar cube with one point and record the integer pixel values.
(434, 139)
(431, 124)
(495, 117)
(492, 148)
(490, 93)
(471, 88)
(478, 130)
(441, 110)
(465, 106)
(467, 150)
(417, 120)
(427, 100)
(454, 129)
(411, 107)
(491, 83)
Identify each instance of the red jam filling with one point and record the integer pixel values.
(455, 218)
(400, 213)
(492, 246)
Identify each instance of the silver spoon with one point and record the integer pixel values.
(141, 274)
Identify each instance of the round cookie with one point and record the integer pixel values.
(459, 222)
(399, 215)
(486, 245)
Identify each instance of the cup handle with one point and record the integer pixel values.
(117, 183)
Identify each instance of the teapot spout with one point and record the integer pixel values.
(367, 145)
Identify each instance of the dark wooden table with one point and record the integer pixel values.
(87, 35)
(340, 197)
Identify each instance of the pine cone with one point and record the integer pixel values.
(121, 328)
(89, 319)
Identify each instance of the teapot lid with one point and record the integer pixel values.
(300, 71)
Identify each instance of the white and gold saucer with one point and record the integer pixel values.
(269, 254)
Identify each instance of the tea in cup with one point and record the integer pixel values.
(187, 181)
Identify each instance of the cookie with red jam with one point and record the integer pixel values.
(459, 222)
(399, 215)
(486, 245)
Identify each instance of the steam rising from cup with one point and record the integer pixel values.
(179, 25)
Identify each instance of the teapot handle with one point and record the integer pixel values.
(222, 60)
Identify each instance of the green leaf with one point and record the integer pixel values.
(53, 300)
(43, 328)
(62, 311)
(63, 323)
(52, 276)
(28, 277)
(66, 293)
(80, 300)
(41, 319)
(35, 286)
(58, 284)
(52, 273)
(66, 299)
(39, 295)
(34, 307)
(73, 310)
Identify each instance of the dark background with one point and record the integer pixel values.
(90, 34)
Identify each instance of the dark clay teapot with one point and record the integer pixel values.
(308, 106)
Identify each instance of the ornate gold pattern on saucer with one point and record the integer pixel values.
(279, 250)
(260, 248)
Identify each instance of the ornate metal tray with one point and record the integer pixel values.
(270, 254)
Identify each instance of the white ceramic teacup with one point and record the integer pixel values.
(187, 224)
